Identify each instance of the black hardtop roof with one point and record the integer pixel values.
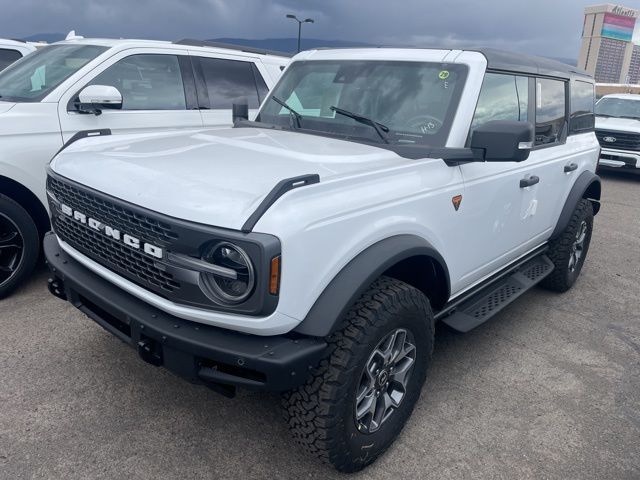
(204, 43)
(507, 61)
(529, 64)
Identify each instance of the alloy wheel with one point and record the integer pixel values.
(577, 249)
(384, 380)
(11, 249)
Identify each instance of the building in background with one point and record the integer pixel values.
(609, 49)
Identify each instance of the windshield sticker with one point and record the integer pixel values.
(443, 75)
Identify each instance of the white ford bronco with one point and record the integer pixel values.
(311, 251)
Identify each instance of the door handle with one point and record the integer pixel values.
(529, 181)
(570, 167)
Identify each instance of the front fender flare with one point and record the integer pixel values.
(352, 281)
(588, 186)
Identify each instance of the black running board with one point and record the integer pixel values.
(487, 302)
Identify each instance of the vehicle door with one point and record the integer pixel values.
(582, 147)
(497, 209)
(157, 88)
(223, 80)
(550, 155)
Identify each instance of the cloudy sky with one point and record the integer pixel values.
(546, 27)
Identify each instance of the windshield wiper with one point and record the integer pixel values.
(284, 104)
(380, 129)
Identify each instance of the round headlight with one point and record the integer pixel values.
(236, 279)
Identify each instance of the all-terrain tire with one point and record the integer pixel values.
(321, 413)
(15, 218)
(561, 249)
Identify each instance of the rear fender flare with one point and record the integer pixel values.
(588, 186)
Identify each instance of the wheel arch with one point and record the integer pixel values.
(27, 200)
(403, 257)
(587, 186)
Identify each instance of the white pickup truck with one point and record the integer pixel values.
(618, 130)
(311, 251)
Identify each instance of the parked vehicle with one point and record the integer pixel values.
(312, 251)
(618, 131)
(92, 85)
(12, 50)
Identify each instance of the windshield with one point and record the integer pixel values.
(618, 107)
(33, 77)
(379, 101)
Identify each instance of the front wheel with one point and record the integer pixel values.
(569, 251)
(356, 402)
(19, 245)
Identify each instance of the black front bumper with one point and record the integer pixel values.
(219, 358)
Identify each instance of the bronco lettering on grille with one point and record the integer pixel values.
(111, 232)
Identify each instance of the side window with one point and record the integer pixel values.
(228, 81)
(263, 90)
(550, 110)
(502, 97)
(582, 118)
(8, 56)
(146, 82)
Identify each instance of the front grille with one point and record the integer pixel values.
(140, 226)
(137, 266)
(133, 264)
(623, 140)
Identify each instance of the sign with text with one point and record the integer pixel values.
(618, 27)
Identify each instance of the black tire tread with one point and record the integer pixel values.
(31, 241)
(559, 249)
(312, 410)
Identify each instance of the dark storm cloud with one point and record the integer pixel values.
(549, 27)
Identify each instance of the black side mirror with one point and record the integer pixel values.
(240, 110)
(503, 141)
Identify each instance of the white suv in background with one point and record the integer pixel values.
(618, 131)
(12, 50)
(96, 86)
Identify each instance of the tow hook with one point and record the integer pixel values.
(56, 288)
(150, 351)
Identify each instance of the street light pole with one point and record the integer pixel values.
(300, 22)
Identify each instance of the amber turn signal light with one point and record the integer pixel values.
(274, 276)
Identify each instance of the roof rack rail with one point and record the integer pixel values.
(230, 46)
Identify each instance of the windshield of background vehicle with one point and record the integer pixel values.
(33, 77)
(618, 107)
(416, 101)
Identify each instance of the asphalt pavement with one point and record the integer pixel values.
(549, 388)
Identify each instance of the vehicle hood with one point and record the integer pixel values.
(618, 124)
(214, 177)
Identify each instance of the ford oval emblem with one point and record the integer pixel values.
(609, 139)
